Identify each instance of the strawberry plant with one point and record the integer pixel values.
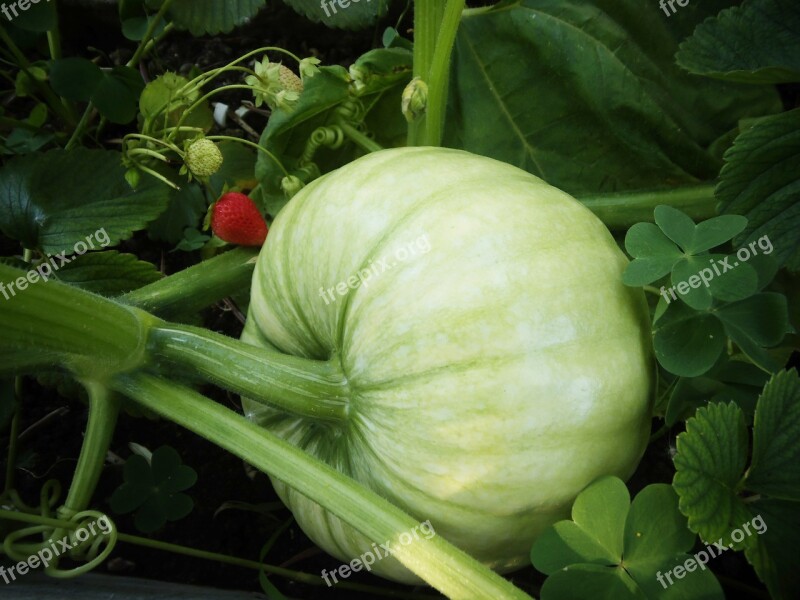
(580, 385)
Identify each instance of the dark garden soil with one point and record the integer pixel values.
(50, 449)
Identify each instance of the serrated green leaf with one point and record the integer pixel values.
(774, 553)
(709, 464)
(687, 342)
(600, 75)
(202, 17)
(757, 42)
(54, 200)
(775, 465)
(761, 180)
(344, 14)
(108, 273)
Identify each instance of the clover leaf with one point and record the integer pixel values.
(675, 245)
(154, 488)
(616, 549)
(688, 342)
(719, 492)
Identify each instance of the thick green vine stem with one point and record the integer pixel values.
(622, 210)
(46, 323)
(197, 287)
(435, 25)
(438, 79)
(296, 385)
(441, 564)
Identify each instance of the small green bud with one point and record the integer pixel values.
(415, 99)
(133, 177)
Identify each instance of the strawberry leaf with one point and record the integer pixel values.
(342, 15)
(54, 200)
(711, 480)
(761, 180)
(203, 17)
(108, 273)
(757, 42)
(775, 465)
(712, 454)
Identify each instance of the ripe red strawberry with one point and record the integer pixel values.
(236, 220)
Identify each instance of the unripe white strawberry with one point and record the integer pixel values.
(203, 158)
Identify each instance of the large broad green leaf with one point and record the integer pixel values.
(757, 42)
(55, 200)
(761, 180)
(587, 96)
(211, 17)
(345, 14)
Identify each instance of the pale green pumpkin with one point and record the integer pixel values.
(491, 377)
